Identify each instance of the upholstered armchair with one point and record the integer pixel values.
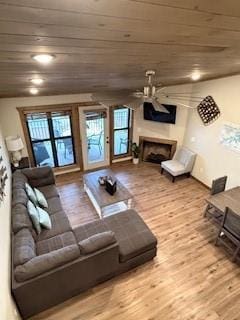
(182, 163)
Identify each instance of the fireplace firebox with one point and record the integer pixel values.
(156, 150)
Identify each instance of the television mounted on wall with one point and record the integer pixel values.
(149, 113)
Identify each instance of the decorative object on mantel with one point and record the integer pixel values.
(15, 146)
(208, 110)
(230, 136)
(135, 152)
(3, 178)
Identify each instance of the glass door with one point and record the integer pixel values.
(95, 136)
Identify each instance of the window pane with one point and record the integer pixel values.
(121, 118)
(65, 153)
(38, 126)
(61, 126)
(120, 142)
(43, 153)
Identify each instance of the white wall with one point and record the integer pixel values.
(163, 130)
(7, 307)
(9, 117)
(213, 159)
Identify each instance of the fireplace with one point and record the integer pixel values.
(156, 150)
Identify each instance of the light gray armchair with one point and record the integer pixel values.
(182, 163)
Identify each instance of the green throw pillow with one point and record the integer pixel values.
(31, 193)
(45, 220)
(41, 200)
(34, 215)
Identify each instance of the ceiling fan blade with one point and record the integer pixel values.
(158, 106)
(158, 89)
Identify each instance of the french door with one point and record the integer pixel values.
(51, 138)
(95, 137)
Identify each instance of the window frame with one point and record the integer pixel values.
(76, 138)
(52, 139)
(129, 128)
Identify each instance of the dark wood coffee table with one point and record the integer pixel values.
(104, 203)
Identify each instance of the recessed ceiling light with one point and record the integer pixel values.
(43, 58)
(196, 75)
(37, 81)
(34, 91)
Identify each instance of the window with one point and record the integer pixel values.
(122, 133)
(51, 138)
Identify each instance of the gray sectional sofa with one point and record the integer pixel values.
(62, 262)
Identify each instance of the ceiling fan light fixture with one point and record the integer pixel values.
(43, 58)
(37, 81)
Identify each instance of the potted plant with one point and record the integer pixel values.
(135, 152)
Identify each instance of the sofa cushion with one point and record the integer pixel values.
(96, 242)
(57, 242)
(132, 234)
(41, 200)
(60, 224)
(18, 180)
(19, 196)
(46, 262)
(89, 229)
(24, 247)
(34, 215)
(49, 191)
(54, 205)
(20, 218)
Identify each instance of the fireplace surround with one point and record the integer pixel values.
(156, 150)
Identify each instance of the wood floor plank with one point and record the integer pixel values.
(190, 279)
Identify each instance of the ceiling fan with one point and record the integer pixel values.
(151, 94)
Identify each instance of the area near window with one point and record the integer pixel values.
(51, 135)
(121, 131)
(51, 138)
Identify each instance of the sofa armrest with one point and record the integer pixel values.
(40, 176)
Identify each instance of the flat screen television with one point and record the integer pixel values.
(151, 114)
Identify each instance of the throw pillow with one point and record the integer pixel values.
(34, 215)
(44, 218)
(41, 200)
(30, 192)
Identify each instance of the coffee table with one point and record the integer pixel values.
(104, 203)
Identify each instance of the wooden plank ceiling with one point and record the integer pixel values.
(109, 44)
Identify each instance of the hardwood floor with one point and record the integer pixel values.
(189, 279)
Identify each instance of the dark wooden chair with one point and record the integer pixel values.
(230, 230)
(218, 185)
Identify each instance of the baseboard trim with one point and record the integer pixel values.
(202, 183)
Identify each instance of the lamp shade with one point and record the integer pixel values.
(14, 143)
